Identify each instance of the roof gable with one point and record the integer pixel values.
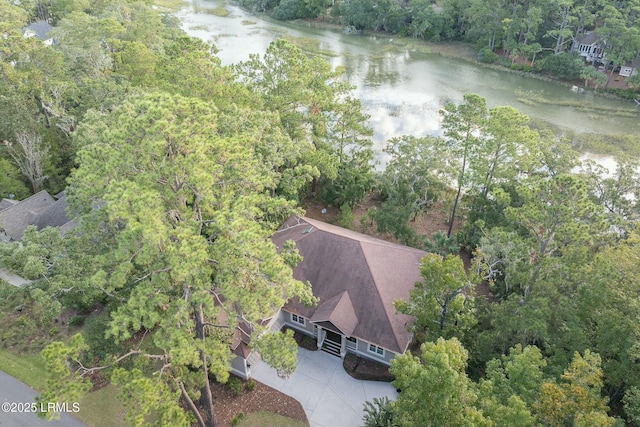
(589, 38)
(356, 278)
(339, 311)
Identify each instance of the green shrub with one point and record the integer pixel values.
(236, 420)
(94, 335)
(367, 220)
(379, 413)
(441, 244)
(522, 67)
(76, 321)
(235, 385)
(345, 217)
(286, 10)
(564, 66)
(309, 343)
(251, 385)
(624, 93)
(487, 56)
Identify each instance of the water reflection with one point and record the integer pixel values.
(403, 87)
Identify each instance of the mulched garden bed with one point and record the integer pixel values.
(365, 369)
(305, 341)
(262, 398)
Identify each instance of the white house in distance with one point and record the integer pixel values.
(356, 279)
(39, 29)
(630, 69)
(589, 46)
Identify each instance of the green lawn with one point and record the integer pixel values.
(102, 408)
(263, 419)
(28, 369)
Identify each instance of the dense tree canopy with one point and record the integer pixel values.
(178, 170)
(188, 220)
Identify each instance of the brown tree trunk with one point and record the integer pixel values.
(206, 396)
(455, 203)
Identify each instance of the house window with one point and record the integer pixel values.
(351, 343)
(379, 351)
(298, 319)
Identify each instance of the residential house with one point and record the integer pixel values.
(356, 279)
(589, 46)
(40, 210)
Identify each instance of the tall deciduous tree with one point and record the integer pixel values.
(188, 254)
(608, 308)
(438, 391)
(443, 301)
(415, 173)
(30, 155)
(577, 400)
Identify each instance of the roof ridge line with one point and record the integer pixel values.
(368, 239)
(375, 284)
(30, 197)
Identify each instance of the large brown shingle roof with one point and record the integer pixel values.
(356, 278)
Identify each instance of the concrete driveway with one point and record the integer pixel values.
(329, 396)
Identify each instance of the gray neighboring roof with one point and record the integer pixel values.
(55, 215)
(356, 278)
(67, 227)
(41, 29)
(7, 203)
(15, 219)
(590, 37)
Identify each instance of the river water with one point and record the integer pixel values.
(402, 88)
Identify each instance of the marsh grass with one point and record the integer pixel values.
(220, 11)
(309, 45)
(172, 5)
(614, 145)
(199, 28)
(224, 35)
(533, 98)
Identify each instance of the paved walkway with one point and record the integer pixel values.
(12, 279)
(329, 396)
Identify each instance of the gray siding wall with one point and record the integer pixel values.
(239, 367)
(363, 350)
(307, 328)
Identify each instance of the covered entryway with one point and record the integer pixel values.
(332, 343)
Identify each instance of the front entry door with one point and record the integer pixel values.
(332, 343)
